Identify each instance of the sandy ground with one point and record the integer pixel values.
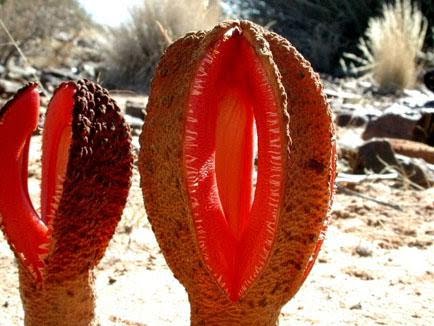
(376, 266)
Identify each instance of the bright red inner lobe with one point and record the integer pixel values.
(234, 154)
(55, 153)
(235, 226)
(27, 232)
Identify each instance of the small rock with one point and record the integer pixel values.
(429, 104)
(423, 131)
(88, 70)
(428, 80)
(364, 250)
(135, 123)
(416, 171)
(357, 306)
(135, 109)
(51, 78)
(375, 156)
(414, 99)
(21, 74)
(136, 144)
(348, 119)
(63, 74)
(128, 229)
(408, 107)
(392, 126)
(8, 87)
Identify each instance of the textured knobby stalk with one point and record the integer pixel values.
(56, 302)
(241, 245)
(86, 172)
(205, 312)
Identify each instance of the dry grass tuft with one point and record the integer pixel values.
(134, 49)
(392, 45)
(33, 23)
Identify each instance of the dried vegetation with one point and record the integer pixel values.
(33, 24)
(392, 46)
(134, 48)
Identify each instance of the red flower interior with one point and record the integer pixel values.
(231, 102)
(55, 150)
(27, 232)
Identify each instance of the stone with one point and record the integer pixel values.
(428, 79)
(364, 250)
(417, 171)
(357, 306)
(423, 131)
(345, 119)
(135, 123)
(87, 70)
(392, 126)
(51, 78)
(21, 74)
(135, 109)
(408, 107)
(62, 74)
(375, 156)
(8, 87)
(414, 98)
(429, 104)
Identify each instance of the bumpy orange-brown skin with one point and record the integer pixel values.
(90, 206)
(58, 302)
(308, 184)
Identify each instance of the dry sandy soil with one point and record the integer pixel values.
(376, 266)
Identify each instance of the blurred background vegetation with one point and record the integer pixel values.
(34, 23)
(335, 35)
(322, 30)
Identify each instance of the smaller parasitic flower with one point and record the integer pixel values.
(86, 172)
(241, 243)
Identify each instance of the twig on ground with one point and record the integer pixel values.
(355, 193)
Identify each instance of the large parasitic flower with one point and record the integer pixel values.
(86, 172)
(242, 244)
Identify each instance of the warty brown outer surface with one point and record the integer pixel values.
(307, 185)
(97, 181)
(89, 208)
(310, 170)
(58, 303)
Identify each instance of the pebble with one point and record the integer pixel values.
(364, 250)
(391, 125)
(135, 109)
(357, 306)
(376, 156)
